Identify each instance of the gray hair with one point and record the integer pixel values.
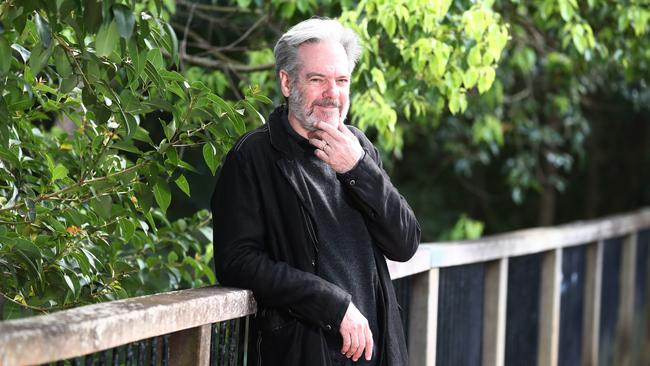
(314, 30)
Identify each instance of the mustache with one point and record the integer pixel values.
(327, 103)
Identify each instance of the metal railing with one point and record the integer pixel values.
(571, 294)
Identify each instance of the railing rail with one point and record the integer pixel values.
(88, 329)
(94, 328)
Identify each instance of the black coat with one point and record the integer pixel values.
(265, 240)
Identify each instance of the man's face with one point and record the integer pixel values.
(320, 89)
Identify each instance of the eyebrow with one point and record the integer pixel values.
(312, 74)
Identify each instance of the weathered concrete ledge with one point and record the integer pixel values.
(93, 328)
(537, 240)
(421, 262)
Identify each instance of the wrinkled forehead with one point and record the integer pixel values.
(325, 57)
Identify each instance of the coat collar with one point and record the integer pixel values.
(279, 136)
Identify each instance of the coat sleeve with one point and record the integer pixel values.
(241, 258)
(389, 218)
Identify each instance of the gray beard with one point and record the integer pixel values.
(296, 103)
(295, 108)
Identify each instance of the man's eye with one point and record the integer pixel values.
(342, 81)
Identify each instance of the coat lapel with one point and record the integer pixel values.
(287, 164)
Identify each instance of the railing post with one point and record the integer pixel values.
(494, 312)
(592, 301)
(549, 320)
(644, 357)
(625, 328)
(190, 347)
(423, 318)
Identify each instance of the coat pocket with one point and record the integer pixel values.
(278, 341)
(273, 320)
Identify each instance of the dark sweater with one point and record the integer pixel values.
(345, 254)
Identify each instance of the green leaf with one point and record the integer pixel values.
(44, 31)
(38, 58)
(243, 3)
(182, 183)
(172, 257)
(59, 172)
(144, 195)
(107, 39)
(28, 247)
(474, 57)
(470, 77)
(223, 105)
(182, 164)
(486, 78)
(578, 37)
(153, 75)
(174, 43)
(71, 285)
(31, 209)
(103, 206)
(83, 263)
(154, 56)
(208, 272)
(5, 61)
(127, 229)
(566, 11)
(176, 89)
(91, 258)
(262, 98)
(172, 76)
(61, 62)
(55, 225)
(138, 60)
(162, 194)
(390, 25)
(50, 163)
(92, 15)
(378, 77)
(168, 129)
(127, 146)
(142, 135)
(210, 157)
(124, 19)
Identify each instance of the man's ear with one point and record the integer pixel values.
(285, 83)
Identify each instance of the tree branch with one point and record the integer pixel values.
(215, 64)
(75, 186)
(187, 27)
(249, 31)
(217, 8)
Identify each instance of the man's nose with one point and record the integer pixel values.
(331, 90)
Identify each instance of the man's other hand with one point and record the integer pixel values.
(356, 334)
(338, 147)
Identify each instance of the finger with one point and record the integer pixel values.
(330, 130)
(362, 345)
(322, 155)
(369, 344)
(323, 135)
(346, 343)
(343, 128)
(318, 143)
(354, 344)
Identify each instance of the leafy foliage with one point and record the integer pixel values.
(84, 187)
(499, 98)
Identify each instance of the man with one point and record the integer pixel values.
(304, 215)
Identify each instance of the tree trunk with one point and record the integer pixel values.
(546, 213)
